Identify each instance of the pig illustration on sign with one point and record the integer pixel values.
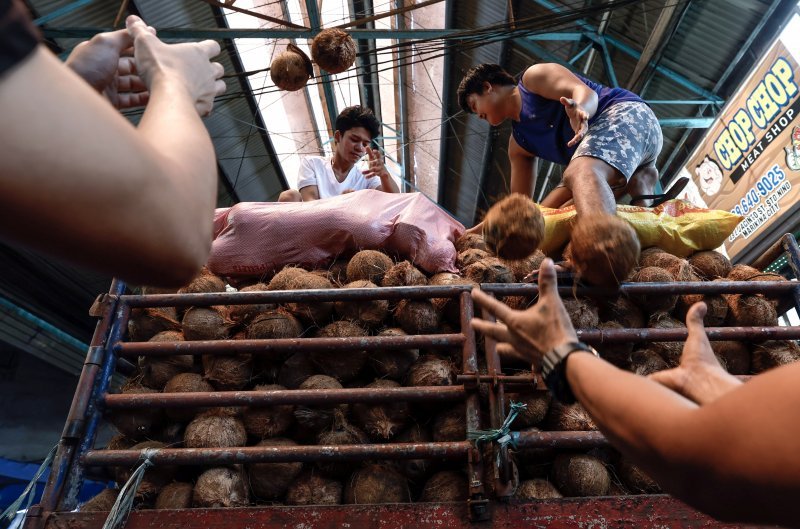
(710, 176)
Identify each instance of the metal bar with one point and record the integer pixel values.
(256, 14)
(474, 378)
(679, 102)
(402, 104)
(290, 345)
(793, 254)
(560, 440)
(686, 123)
(755, 334)
(310, 397)
(772, 288)
(612, 74)
(255, 33)
(264, 454)
(770, 254)
(655, 43)
(65, 10)
(391, 12)
(580, 54)
(601, 29)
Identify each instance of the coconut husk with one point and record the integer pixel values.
(471, 240)
(148, 322)
(392, 363)
(204, 282)
(536, 405)
(582, 313)
(170, 433)
(370, 312)
(536, 489)
(680, 269)
(431, 370)
(404, 274)
(651, 303)
(523, 268)
(283, 279)
(368, 265)
(310, 488)
(376, 484)
(470, 256)
(518, 302)
(734, 356)
(206, 323)
(489, 270)
(717, 306)
(623, 311)
(382, 421)
(274, 324)
(139, 423)
(655, 256)
(568, 418)
(119, 442)
(269, 481)
(244, 313)
(221, 487)
(580, 475)
(228, 372)
(314, 420)
(338, 272)
(774, 353)
(291, 69)
(417, 316)
(450, 425)
(742, 272)
(315, 312)
(333, 50)
(176, 495)
(447, 485)
(158, 370)
(750, 311)
(268, 421)
(646, 362)
(635, 480)
(296, 369)
(414, 469)
(339, 434)
(605, 249)
(215, 429)
(670, 351)
(618, 354)
(102, 502)
(342, 366)
(450, 308)
(710, 265)
(513, 227)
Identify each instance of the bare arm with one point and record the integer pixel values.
(79, 182)
(309, 193)
(378, 169)
(523, 167)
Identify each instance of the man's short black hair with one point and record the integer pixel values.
(472, 83)
(358, 116)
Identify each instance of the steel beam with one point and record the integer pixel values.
(402, 107)
(655, 43)
(61, 11)
(268, 33)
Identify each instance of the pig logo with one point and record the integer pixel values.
(793, 151)
(710, 176)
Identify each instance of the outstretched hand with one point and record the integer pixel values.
(578, 120)
(699, 377)
(376, 166)
(528, 334)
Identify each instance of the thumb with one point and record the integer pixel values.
(120, 39)
(137, 28)
(669, 378)
(694, 319)
(547, 279)
(567, 102)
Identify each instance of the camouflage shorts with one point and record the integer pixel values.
(626, 136)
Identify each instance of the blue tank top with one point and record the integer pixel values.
(543, 129)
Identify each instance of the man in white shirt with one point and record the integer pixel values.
(320, 177)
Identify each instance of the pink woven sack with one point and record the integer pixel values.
(256, 238)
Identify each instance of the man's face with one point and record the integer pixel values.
(487, 105)
(352, 145)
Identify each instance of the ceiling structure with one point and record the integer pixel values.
(683, 56)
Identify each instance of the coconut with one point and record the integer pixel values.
(370, 313)
(646, 362)
(376, 484)
(513, 227)
(568, 418)
(274, 324)
(523, 268)
(471, 240)
(119, 442)
(215, 429)
(413, 469)
(582, 313)
(717, 306)
(742, 272)
(103, 501)
(635, 480)
(176, 495)
(533, 462)
(417, 316)
(244, 313)
(310, 488)
(393, 363)
(317, 418)
(148, 322)
(751, 311)
(449, 307)
(447, 485)
(618, 354)
(206, 323)
(315, 312)
(623, 311)
(430, 370)
(220, 487)
(489, 270)
(228, 372)
(710, 265)
(291, 69)
(735, 356)
(340, 365)
(647, 256)
(158, 370)
(269, 481)
(680, 268)
(296, 369)
(535, 410)
(338, 271)
(536, 489)
(170, 433)
(580, 475)
(774, 353)
(450, 425)
(670, 351)
(283, 279)
(368, 265)
(404, 274)
(139, 423)
(205, 282)
(604, 249)
(341, 433)
(518, 302)
(155, 478)
(654, 302)
(268, 421)
(382, 421)
(333, 50)
(470, 256)
(326, 274)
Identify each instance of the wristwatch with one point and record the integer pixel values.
(554, 369)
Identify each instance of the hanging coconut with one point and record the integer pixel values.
(605, 249)
(310, 488)
(269, 481)
(221, 487)
(513, 227)
(291, 69)
(333, 50)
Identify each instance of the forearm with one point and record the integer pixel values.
(709, 385)
(585, 97)
(522, 174)
(387, 184)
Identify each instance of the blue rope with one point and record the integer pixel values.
(502, 435)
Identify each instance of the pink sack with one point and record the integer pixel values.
(255, 238)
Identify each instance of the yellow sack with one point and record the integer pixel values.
(677, 226)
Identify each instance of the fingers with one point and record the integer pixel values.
(136, 27)
(547, 279)
(220, 87)
(120, 40)
(209, 47)
(694, 319)
(218, 70)
(567, 102)
(670, 378)
(370, 153)
(496, 331)
(130, 83)
(499, 310)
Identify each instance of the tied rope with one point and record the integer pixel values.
(30, 490)
(502, 435)
(122, 507)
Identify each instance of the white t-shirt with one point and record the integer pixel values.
(317, 171)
